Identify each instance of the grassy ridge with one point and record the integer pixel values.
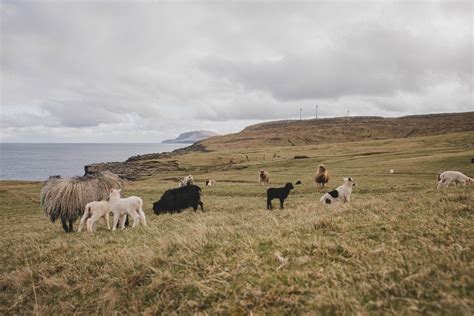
(400, 247)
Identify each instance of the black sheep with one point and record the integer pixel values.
(176, 200)
(278, 193)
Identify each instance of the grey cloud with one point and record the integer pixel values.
(373, 62)
(146, 71)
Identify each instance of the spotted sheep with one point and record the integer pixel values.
(341, 193)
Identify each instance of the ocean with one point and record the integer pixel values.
(39, 161)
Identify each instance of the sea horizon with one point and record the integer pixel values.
(37, 161)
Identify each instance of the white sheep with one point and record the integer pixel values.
(342, 193)
(93, 212)
(210, 182)
(132, 206)
(447, 177)
(188, 180)
(391, 171)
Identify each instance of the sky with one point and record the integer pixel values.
(96, 71)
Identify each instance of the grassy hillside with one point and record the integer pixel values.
(342, 129)
(400, 247)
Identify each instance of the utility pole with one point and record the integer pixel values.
(316, 111)
(300, 114)
(347, 113)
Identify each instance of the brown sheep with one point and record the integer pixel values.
(322, 176)
(264, 177)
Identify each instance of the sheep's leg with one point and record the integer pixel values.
(116, 220)
(269, 204)
(83, 220)
(136, 218)
(142, 216)
(63, 221)
(202, 206)
(89, 224)
(107, 219)
(127, 221)
(71, 229)
(122, 222)
(281, 203)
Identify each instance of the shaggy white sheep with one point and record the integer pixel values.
(132, 206)
(391, 171)
(342, 193)
(93, 212)
(447, 177)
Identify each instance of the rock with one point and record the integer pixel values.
(134, 169)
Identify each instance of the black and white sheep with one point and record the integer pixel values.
(278, 193)
(176, 200)
(341, 193)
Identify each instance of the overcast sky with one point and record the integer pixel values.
(92, 71)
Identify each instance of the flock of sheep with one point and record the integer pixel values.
(94, 197)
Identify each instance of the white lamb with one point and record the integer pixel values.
(447, 177)
(342, 193)
(132, 206)
(93, 212)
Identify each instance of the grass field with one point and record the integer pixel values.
(400, 247)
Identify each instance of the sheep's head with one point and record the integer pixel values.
(349, 180)
(165, 203)
(470, 181)
(289, 186)
(115, 193)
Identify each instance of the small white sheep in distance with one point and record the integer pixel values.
(391, 171)
(210, 182)
(188, 180)
(93, 212)
(447, 177)
(342, 193)
(132, 206)
(263, 177)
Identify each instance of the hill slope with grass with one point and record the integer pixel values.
(400, 247)
(342, 129)
(294, 133)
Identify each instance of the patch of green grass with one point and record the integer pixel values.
(400, 247)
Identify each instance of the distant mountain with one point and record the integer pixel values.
(190, 137)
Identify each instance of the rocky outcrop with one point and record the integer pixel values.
(147, 165)
(134, 170)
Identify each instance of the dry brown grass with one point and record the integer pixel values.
(401, 247)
